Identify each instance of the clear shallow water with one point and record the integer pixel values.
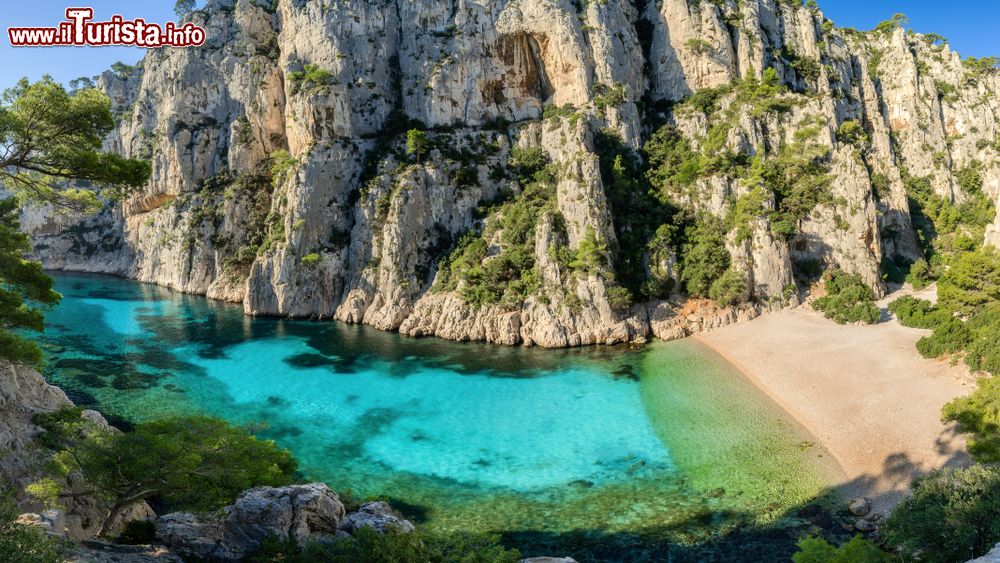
(664, 441)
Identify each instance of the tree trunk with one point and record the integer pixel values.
(109, 520)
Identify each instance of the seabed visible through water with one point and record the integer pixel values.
(627, 446)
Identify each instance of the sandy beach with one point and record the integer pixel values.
(863, 391)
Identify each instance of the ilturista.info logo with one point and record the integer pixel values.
(80, 30)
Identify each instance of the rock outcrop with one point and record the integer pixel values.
(282, 181)
(24, 393)
(299, 513)
(378, 516)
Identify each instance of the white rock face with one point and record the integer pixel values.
(351, 227)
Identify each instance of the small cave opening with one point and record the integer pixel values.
(524, 54)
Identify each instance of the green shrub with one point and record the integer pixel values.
(920, 275)
(606, 96)
(918, 313)
(673, 164)
(368, 546)
(852, 133)
(971, 178)
(953, 515)
(592, 253)
(972, 282)
(730, 289)
(310, 259)
(889, 26)
(983, 351)
(949, 337)
(858, 550)
(881, 185)
(282, 165)
(509, 277)
(188, 463)
(979, 415)
(704, 257)
(417, 143)
(311, 79)
(20, 543)
(848, 300)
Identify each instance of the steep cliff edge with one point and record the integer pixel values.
(526, 211)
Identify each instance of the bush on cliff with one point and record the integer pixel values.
(979, 415)
(972, 282)
(953, 515)
(188, 463)
(704, 258)
(848, 300)
(22, 543)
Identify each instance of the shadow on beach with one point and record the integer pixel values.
(695, 540)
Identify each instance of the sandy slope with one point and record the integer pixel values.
(863, 391)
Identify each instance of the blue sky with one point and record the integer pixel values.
(67, 63)
(970, 25)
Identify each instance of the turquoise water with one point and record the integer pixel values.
(463, 437)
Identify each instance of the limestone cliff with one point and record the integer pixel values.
(282, 180)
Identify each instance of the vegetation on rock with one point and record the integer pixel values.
(369, 546)
(953, 515)
(188, 463)
(848, 300)
(23, 543)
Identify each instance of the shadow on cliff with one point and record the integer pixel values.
(701, 538)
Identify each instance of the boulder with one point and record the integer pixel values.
(376, 515)
(863, 525)
(859, 506)
(190, 536)
(294, 512)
